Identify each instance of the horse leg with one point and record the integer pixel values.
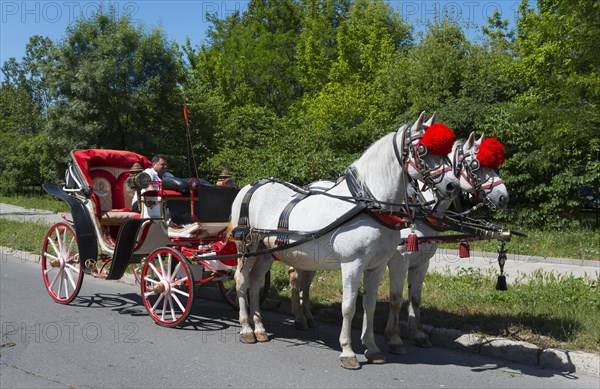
(305, 281)
(350, 281)
(371, 282)
(257, 275)
(398, 267)
(416, 277)
(242, 279)
(299, 318)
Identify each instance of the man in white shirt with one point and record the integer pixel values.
(156, 172)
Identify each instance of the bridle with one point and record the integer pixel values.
(466, 166)
(413, 152)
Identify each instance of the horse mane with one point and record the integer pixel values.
(379, 170)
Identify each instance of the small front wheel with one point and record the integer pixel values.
(62, 269)
(167, 286)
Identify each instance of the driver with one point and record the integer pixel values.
(156, 172)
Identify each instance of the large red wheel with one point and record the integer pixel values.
(167, 286)
(62, 269)
(228, 291)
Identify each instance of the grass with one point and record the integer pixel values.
(578, 244)
(45, 202)
(26, 236)
(543, 309)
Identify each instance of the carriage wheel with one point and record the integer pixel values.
(167, 286)
(227, 289)
(62, 269)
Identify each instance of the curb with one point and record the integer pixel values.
(517, 351)
(523, 258)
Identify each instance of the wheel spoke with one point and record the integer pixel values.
(151, 280)
(177, 268)
(68, 273)
(71, 244)
(60, 282)
(164, 309)
(66, 282)
(160, 297)
(169, 259)
(178, 302)
(74, 268)
(179, 282)
(162, 268)
(180, 292)
(171, 307)
(61, 240)
(47, 254)
(54, 280)
(158, 274)
(56, 250)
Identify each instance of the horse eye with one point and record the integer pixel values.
(474, 165)
(422, 150)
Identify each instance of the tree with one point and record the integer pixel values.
(24, 102)
(555, 116)
(115, 86)
(250, 58)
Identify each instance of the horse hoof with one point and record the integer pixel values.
(398, 349)
(350, 363)
(262, 337)
(424, 343)
(247, 338)
(376, 358)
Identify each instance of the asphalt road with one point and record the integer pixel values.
(106, 339)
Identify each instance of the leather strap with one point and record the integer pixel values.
(284, 219)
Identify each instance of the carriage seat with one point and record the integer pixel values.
(112, 196)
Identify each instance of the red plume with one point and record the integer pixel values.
(438, 139)
(491, 153)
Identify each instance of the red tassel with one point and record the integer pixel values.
(412, 243)
(463, 250)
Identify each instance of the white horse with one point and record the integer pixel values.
(482, 182)
(485, 185)
(359, 245)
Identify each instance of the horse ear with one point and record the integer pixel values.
(430, 121)
(478, 143)
(470, 141)
(418, 126)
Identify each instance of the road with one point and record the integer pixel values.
(106, 339)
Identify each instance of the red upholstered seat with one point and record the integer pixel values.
(106, 173)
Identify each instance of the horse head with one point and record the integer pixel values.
(476, 163)
(425, 151)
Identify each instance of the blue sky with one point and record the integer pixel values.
(180, 19)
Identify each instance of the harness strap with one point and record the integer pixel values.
(284, 219)
(390, 221)
(358, 191)
(312, 235)
(242, 228)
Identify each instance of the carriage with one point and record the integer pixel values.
(104, 238)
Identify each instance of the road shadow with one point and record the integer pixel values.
(214, 318)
